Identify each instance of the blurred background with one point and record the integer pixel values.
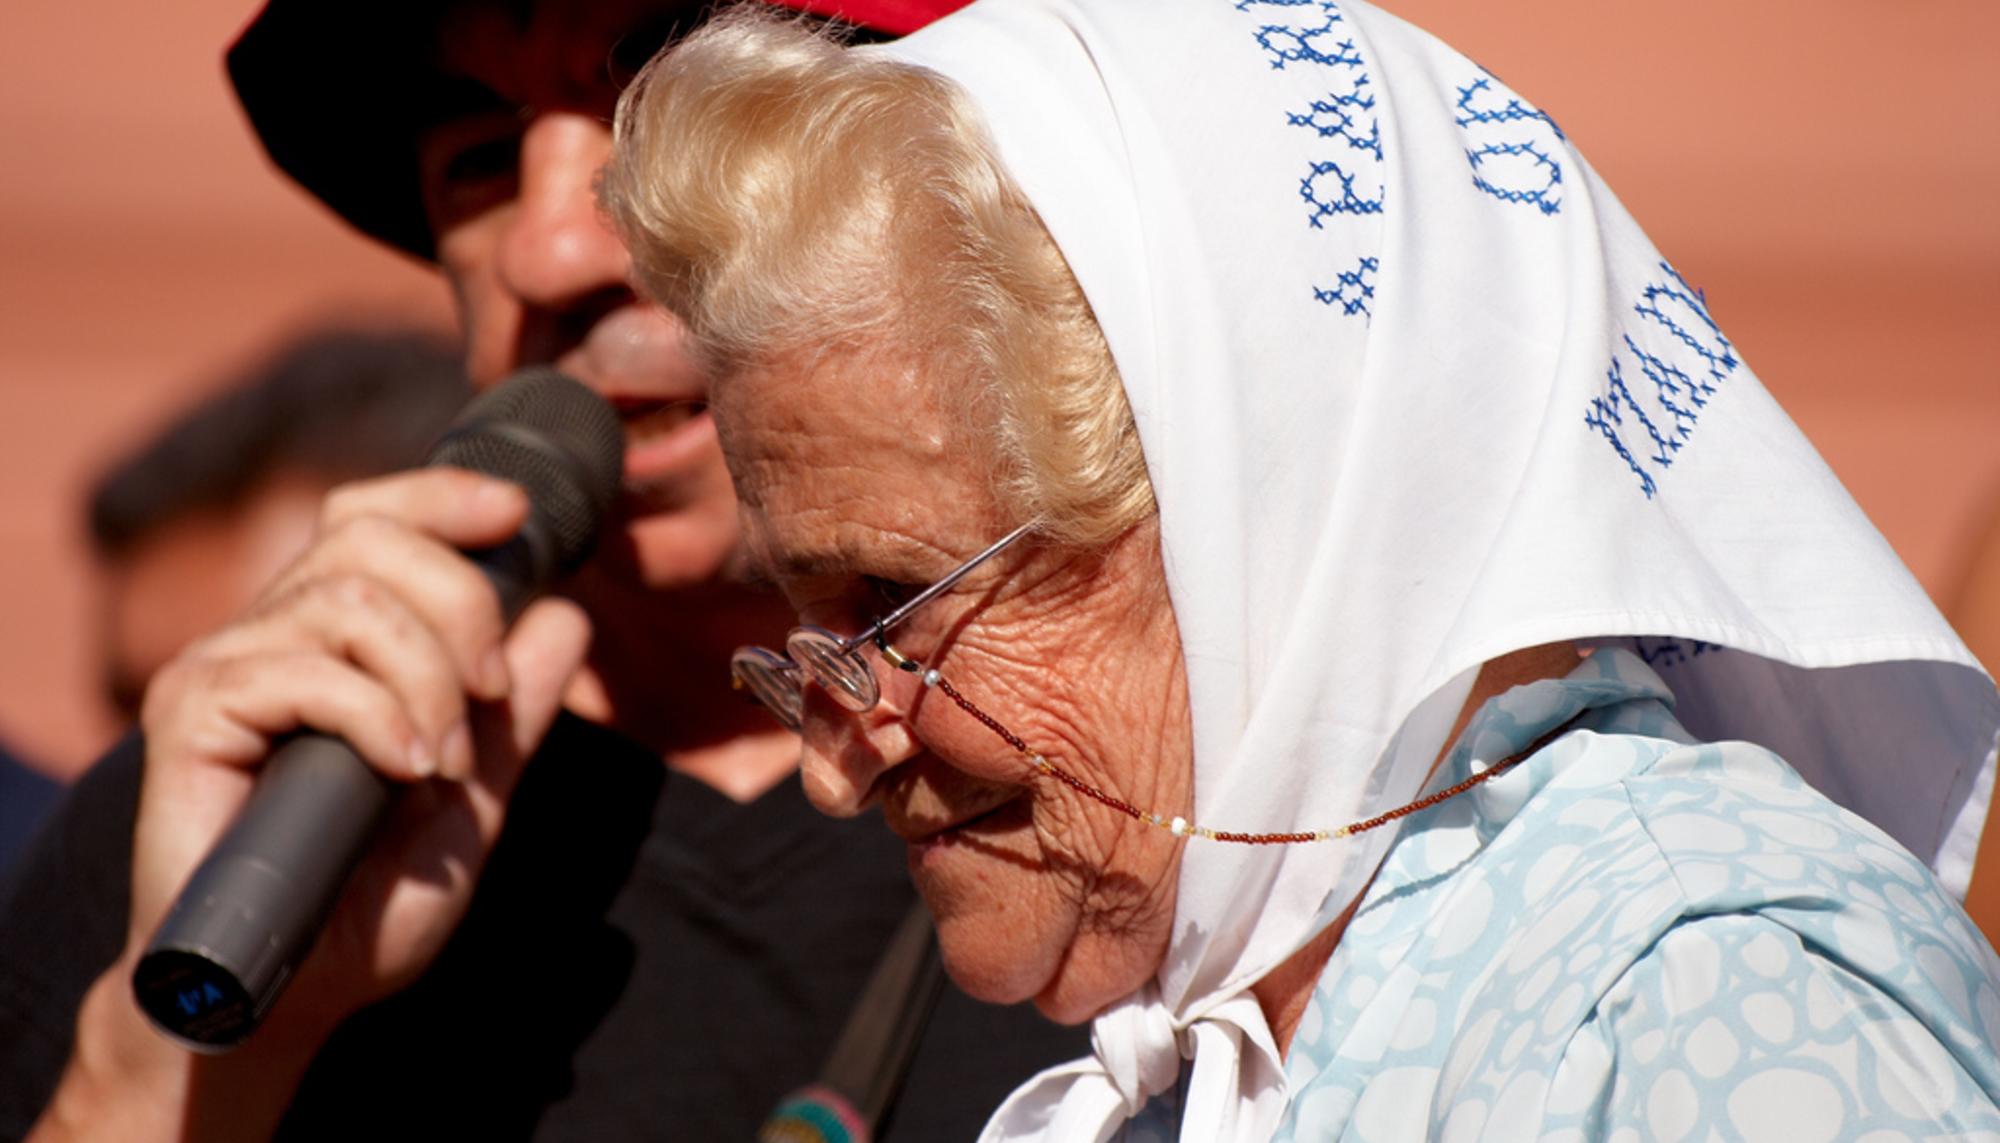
(1828, 177)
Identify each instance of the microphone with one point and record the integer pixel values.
(252, 909)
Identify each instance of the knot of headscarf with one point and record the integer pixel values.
(1140, 1047)
(1234, 1089)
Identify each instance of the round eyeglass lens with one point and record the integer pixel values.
(844, 674)
(772, 680)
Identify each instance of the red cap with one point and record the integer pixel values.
(897, 17)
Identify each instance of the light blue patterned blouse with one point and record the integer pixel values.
(1633, 936)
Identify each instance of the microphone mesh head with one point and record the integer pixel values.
(551, 435)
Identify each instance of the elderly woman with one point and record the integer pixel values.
(1316, 592)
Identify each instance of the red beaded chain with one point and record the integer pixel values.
(1179, 826)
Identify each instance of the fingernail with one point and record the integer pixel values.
(422, 762)
(458, 749)
(496, 494)
(493, 674)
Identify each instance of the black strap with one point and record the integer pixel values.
(865, 1069)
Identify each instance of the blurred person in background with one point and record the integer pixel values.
(664, 937)
(189, 526)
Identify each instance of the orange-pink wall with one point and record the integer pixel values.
(1827, 171)
(144, 247)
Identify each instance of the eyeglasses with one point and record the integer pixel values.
(835, 663)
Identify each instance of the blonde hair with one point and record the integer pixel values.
(781, 193)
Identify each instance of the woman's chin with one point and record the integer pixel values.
(1061, 988)
(1011, 919)
(987, 977)
(1097, 971)
(1002, 926)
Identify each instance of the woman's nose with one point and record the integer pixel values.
(558, 249)
(845, 754)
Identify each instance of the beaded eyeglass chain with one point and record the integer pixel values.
(776, 680)
(1178, 826)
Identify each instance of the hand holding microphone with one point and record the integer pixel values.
(375, 637)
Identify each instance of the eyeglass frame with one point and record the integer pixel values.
(845, 649)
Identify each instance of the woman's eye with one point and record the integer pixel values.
(892, 593)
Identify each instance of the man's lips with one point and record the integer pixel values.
(636, 357)
(663, 437)
(648, 420)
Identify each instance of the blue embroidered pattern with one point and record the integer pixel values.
(1292, 43)
(1702, 336)
(1344, 199)
(1515, 168)
(1513, 111)
(1337, 117)
(1353, 289)
(1520, 164)
(1688, 358)
(1347, 181)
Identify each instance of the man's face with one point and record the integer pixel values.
(540, 277)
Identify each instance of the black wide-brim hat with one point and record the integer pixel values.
(339, 91)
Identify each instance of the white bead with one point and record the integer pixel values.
(932, 678)
(1179, 827)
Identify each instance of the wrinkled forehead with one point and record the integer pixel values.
(850, 467)
(799, 428)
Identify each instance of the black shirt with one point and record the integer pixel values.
(25, 796)
(644, 959)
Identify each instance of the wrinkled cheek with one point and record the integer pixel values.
(1061, 917)
(1067, 835)
(953, 735)
(1121, 875)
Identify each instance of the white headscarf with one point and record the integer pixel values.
(1414, 391)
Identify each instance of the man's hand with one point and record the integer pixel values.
(383, 635)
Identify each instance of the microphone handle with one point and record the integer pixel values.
(252, 909)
